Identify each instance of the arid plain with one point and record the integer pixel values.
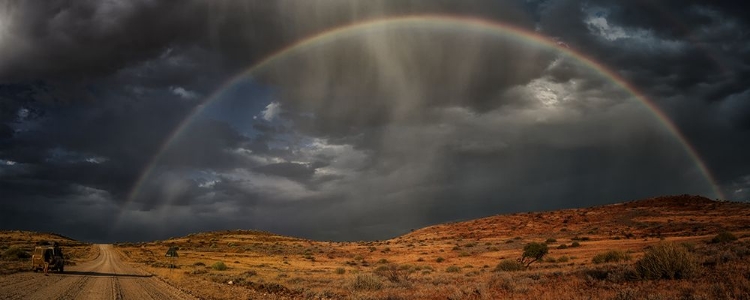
(676, 247)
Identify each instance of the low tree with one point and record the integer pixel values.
(533, 252)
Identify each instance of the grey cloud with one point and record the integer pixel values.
(289, 170)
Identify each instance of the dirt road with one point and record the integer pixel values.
(105, 277)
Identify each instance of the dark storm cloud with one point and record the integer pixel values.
(80, 39)
(690, 57)
(371, 135)
(87, 38)
(713, 74)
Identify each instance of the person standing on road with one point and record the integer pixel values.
(47, 260)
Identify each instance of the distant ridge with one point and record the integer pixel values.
(678, 215)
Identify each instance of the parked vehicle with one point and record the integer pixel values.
(53, 255)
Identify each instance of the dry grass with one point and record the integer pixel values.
(460, 260)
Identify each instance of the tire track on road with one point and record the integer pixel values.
(104, 277)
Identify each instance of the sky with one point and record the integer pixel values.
(361, 120)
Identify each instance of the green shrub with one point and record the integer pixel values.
(199, 264)
(562, 246)
(383, 261)
(610, 256)
(575, 244)
(550, 241)
(440, 259)
(340, 271)
(724, 237)
(563, 259)
(219, 266)
(463, 254)
(453, 269)
(667, 261)
(366, 282)
(533, 252)
(509, 265)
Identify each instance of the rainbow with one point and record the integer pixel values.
(428, 21)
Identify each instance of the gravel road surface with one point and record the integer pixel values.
(105, 277)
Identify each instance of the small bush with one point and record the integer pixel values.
(198, 272)
(381, 269)
(366, 282)
(440, 259)
(453, 269)
(562, 246)
(667, 261)
(724, 237)
(219, 266)
(340, 271)
(394, 273)
(550, 241)
(563, 259)
(14, 253)
(383, 261)
(463, 254)
(613, 274)
(509, 265)
(199, 264)
(610, 256)
(575, 244)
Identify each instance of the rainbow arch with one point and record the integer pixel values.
(436, 22)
